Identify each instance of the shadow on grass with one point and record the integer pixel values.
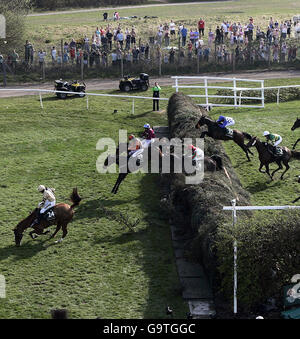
(260, 186)
(29, 247)
(55, 98)
(92, 208)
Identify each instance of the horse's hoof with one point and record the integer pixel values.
(58, 241)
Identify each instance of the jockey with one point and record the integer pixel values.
(223, 122)
(135, 146)
(48, 202)
(149, 136)
(197, 154)
(275, 140)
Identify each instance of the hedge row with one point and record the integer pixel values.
(268, 245)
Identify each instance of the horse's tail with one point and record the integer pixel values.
(247, 135)
(296, 155)
(75, 198)
(218, 160)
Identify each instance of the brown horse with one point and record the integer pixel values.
(216, 132)
(63, 215)
(296, 125)
(266, 157)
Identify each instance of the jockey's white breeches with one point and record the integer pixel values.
(230, 122)
(136, 153)
(146, 143)
(48, 204)
(278, 142)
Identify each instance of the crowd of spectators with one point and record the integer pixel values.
(116, 42)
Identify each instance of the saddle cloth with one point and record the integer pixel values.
(49, 215)
(229, 132)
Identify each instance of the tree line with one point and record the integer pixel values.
(53, 4)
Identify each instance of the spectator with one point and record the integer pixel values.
(135, 54)
(109, 36)
(120, 38)
(172, 28)
(201, 25)
(156, 90)
(41, 56)
(183, 35)
(133, 36)
(53, 55)
(105, 16)
(172, 55)
(72, 54)
(167, 38)
(14, 60)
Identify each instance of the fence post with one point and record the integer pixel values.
(234, 92)
(176, 84)
(159, 61)
(262, 94)
(206, 93)
(41, 100)
(278, 92)
(132, 106)
(87, 101)
(81, 66)
(234, 219)
(122, 65)
(43, 70)
(198, 63)
(240, 100)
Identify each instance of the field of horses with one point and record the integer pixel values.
(76, 25)
(101, 269)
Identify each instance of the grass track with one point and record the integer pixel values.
(100, 269)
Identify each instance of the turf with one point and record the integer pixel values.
(100, 270)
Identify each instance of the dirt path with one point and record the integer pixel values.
(126, 7)
(108, 84)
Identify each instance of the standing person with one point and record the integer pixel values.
(172, 28)
(201, 25)
(41, 56)
(183, 35)
(105, 15)
(156, 89)
(53, 55)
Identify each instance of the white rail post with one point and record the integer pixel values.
(87, 101)
(132, 106)
(41, 100)
(206, 92)
(278, 92)
(240, 100)
(176, 84)
(234, 219)
(263, 94)
(234, 92)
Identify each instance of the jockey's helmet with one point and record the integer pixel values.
(146, 126)
(266, 133)
(221, 117)
(131, 136)
(41, 188)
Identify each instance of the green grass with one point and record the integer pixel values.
(100, 270)
(277, 119)
(76, 25)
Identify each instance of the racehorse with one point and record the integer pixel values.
(63, 215)
(296, 125)
(216, 132)
(266, 157)
(211, 164)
